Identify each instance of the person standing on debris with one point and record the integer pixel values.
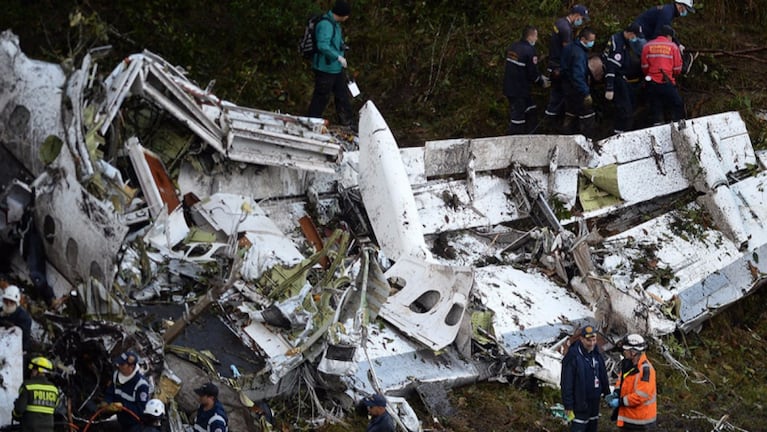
(211, 416)
(329, 63)
(15, 315)
(128, 393)
(564, 31)
(584, 381)
(37, 399)
(152, 416)
(575, 83)
(624, 75)
(522, 71)
(661, 65)
(635, 394)
(380, 419)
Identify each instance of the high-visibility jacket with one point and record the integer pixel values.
(661, 60)
(36, 404)
(637, 394)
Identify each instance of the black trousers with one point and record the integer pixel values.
(523, 115)
(325, 84)
(663, 96)
(624, 102)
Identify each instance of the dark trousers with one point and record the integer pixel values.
(578, 116)
(325, 84)
(556, 106)
(524, 115)
(586, 421)
(661, 97)
(637, 428)
(624, 102)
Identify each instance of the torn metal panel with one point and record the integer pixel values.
(449, 157)
(82, 233)
(447, 206)
(639, 180)
(122, 82)
(76, 139)
(386, 191)
(157, 186)
(11, 372)
(30, 103)
(430, 305)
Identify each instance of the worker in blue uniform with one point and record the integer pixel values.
(520, 73)
(623, 77)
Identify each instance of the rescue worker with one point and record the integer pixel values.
(380, 419)
(635, 391)
(37, 399)
(522, 71)
(584, 381)
(264, 416)
(661, 65)
(152, 416)
(15, 315)
(564, 31)
(128, 393)
(211, 416)
(579, 108)
(623, 77)
(652, 20)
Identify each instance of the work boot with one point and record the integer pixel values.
(569, 124)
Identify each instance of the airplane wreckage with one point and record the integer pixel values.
(277, 256)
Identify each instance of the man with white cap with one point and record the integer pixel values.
(635, 391)
(15, 315)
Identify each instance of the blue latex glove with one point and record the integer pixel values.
(613, 402)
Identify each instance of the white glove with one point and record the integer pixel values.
(342, 60)
(609, 95)
(545, 82)
(681, 48)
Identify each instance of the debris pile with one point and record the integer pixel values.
(138, 205)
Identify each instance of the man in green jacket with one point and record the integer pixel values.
(37, 399)
(328, 65)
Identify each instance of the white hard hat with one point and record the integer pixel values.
(687, 3)
(634, 342)
(155, 407)
(12, 293)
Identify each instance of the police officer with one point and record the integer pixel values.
(624, 75)
(522, 71)
(211, 416)
(564, 30)
(37, 399)
(128, 393)
(635, 391)
(575, 83)
(661, 65)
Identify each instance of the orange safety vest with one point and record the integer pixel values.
(638, 394)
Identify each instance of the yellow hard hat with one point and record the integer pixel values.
(42, 364)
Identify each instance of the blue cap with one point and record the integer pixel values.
(127, 357)
(588, 332)
(580, 9)
(375, 400)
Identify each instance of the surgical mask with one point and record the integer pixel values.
(588, 44)
(8, 309)
(578, 22)
(683, 13)
(532, 43)
(634, 39)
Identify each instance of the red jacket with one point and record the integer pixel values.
(660, 56)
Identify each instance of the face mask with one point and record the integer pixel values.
(588, 44)
(632, 40)
(532, 43)
(8, 309)
(683, 13)
(578, 22)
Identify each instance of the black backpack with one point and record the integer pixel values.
(307, 46)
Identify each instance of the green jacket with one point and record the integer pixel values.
(35, 405)
(329, 41)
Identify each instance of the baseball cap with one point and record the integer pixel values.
(375, 400)
(634, 28)
(581, 9)
(588, 332)
(207, 389)
(129, 357)
(342, 8)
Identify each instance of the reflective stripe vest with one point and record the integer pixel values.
(36, 404)
(638, 394)
(212, 420)
(133, 394)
